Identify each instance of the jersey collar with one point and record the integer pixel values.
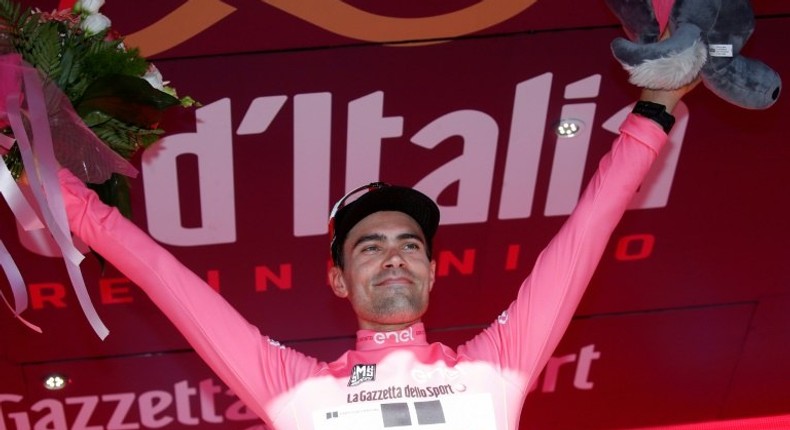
(411, 336)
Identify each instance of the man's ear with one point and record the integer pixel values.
(337, 283)
(432, 277)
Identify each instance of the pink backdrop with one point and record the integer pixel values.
(684, 321)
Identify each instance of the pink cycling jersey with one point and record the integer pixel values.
(391, 379)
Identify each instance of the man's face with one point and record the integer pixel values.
(387, 276)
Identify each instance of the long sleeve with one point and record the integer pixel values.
(524, 337)
(256, 369)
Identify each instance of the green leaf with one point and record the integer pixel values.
(115, 192)
(9, 13)
(13, 160)
(126, 98)
(121, 137)
(109, 57)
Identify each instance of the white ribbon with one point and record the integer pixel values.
(41, 167)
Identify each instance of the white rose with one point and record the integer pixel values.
(88, 6)
(154, 77)
(95, 23)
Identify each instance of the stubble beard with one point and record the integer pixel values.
(397, 304)
(398, 307)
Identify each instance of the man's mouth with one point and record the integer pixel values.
(392, 278)
(391, 282)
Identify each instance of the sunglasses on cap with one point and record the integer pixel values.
(340, 203)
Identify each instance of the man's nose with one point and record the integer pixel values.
(394, 258)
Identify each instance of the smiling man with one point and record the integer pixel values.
(381, 248)
(381, 245)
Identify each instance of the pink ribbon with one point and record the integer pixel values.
(10, 84)
(27, 218)
(24, 213)
(75, 147)
(15, 279)
(662, 8)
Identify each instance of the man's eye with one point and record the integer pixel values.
(412, 246)
(370, 248)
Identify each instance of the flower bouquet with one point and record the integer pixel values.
(71, 94)
(116, 93)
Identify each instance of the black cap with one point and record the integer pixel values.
(383, 197)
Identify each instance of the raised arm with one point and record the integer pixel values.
(253, 368)
(524, 338)
(668, 98)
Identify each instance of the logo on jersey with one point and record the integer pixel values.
(406, 335)
(362, 373)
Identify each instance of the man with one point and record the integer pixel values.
(381, 247)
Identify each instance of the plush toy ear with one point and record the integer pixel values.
(665, 64)
(637, 18)
(668, 64)
(741, 81)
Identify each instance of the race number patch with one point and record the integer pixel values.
(464, 411)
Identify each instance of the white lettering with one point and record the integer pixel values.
(16, 399)
(570, 154)
(423, 375)
(260, 114)
(367, 126)
(156, 408)
(208, 410)
(53, 419)
(125, 401)
(581, 377)
(212, 143)
(183, 409)
(527, 125)
(396, 336)
(312, 138)
(152, 403)
(570, 157)
(21, 419)
(86, 412)
(473, 170)
(552, 371)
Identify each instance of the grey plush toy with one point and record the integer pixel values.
(706, 37)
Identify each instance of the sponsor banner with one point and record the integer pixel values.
(174, 391)
(608, 363)
(661, 367)
(240, 193)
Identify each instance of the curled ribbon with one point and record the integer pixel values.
(27, 218)
(49, 132)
